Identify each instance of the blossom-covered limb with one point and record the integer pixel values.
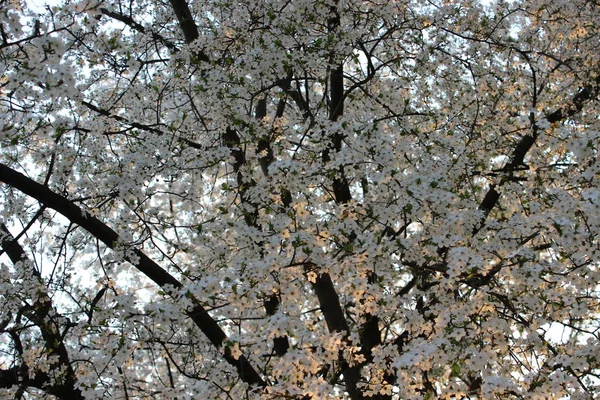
(44, 315)
(142, 262)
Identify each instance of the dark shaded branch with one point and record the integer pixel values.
(130, 22)
(280, 344)
(17, 376)
(370, 335)
(336, 93)
(328, 301)
(43, 314)
(10, 377)
(341, 187)
(264, 150)
(186, 20)
(231, 139)
(137, 258)
(187, 25)
(587, 93)
(271, 302)
(11, 247)
(323, 286)
(137, 125)
(487, 204)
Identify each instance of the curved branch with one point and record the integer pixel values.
(41, 380)
(586, 94)
(137, 258)
(41, 314)
(130, 22)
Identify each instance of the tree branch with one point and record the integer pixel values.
(130, 22)
(137, 258)
(43, 315)
(137, 125)
(587, 93)
(187, 25)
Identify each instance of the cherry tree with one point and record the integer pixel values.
(300, 199)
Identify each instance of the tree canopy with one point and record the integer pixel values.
(300, 199)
